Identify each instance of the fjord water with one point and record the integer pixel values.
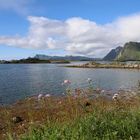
(18, 81)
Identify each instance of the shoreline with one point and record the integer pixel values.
(105, 66)
(106, 94)
(37, 110)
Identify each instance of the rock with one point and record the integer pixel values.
(87, 104)
(1, 127)
(17, 119)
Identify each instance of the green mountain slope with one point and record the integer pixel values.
(130, 52)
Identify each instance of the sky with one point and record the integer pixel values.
(66, 27)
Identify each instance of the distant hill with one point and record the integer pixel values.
(130, 52)
(113, 54)
(29, 60)
(39, 58)
(68, 58)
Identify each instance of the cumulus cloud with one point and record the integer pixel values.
(77, 35)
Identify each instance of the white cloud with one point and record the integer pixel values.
(77, 35)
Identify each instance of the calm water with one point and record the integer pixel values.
(18, 81)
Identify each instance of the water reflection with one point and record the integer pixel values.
(20, 81)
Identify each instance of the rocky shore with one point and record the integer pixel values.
(113, 65)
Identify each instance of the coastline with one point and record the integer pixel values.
(106, 66)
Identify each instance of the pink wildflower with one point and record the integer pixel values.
(59, 102)
(47, 95)
(115, 97)
(40, 96)
(89, 80)
(98, 89)
(102, 91)
(66, 82)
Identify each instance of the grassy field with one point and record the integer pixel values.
(105, 121)
(77, 120)
(105, 125)
(72, 117)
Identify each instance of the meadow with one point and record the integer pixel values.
(77, 116)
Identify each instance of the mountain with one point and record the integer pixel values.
(113, 54)
(130, 52)
(68, 58)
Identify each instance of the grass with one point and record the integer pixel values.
(102, 120)
(72, 118)
(107, 121)
(106, 126)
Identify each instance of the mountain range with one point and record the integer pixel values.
(67, 57)
(129, 52)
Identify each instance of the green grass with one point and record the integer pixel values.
(100, 124)
(73, 118)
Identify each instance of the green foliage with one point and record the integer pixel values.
(131, 51)
(113, 124)
(28, 60)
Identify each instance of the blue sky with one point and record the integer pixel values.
(14, 21)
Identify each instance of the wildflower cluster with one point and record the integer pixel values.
(41, 96)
